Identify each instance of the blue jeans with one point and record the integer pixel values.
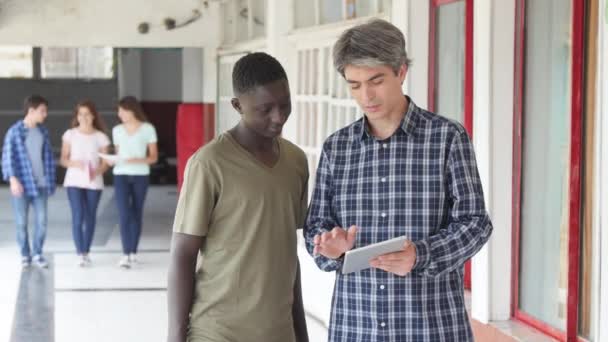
(21, 206)
(130, 192)
(83, 203)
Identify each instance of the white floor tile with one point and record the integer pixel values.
(110, 316)
(104, 273)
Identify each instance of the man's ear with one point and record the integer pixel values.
(236, 104)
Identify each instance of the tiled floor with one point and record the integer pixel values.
(105, 303)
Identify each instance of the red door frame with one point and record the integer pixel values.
(468, 78)
(574, 205)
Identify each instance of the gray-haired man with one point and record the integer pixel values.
(400, 170)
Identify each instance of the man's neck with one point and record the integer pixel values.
(252, 141)
(385, 127)
(29, 122)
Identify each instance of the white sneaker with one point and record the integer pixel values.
(133, 258)
(25, 262)
(87, 260)
(40, 261)
(124, 262)
(81, 261)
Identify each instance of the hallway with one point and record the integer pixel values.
(105, 303)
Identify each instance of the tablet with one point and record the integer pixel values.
(358, 259)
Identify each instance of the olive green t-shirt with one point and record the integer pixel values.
(248, 213)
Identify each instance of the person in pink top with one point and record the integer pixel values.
(83, 181)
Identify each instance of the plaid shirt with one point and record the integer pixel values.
(16, 161)
(421, 182)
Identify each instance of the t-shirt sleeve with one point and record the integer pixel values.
(116, 136)
(103, 140)
(151, 132)
(197, 200)
(67, 136)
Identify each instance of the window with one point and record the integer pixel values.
(244, 20)
(322, 102)
(16, 62)
(319, 12)
(57, 62)
(548, 164)
(451, 67)
(227, 117)
(77, 63)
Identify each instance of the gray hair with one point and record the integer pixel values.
(374, 43)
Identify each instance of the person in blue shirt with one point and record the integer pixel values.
(28, 165)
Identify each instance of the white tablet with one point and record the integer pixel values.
(358, 259)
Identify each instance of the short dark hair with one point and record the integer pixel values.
(131, 104)
(255, 69)
(33, 101)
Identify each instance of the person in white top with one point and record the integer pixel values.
(135, 144)
(83, 181)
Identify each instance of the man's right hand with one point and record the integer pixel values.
(335, 243)
(16, 187)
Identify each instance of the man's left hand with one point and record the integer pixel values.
(399, 263)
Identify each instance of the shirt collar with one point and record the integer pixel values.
(408, 123)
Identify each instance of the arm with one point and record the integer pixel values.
(8, 167)
(192, 215)
(104, 166)
(65, 157)
(469, 226)
(299, 317)
(180, 289)
(320, 218)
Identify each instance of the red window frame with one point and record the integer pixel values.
(575, 200)
(468, 77)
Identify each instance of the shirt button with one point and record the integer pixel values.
(383, 214)
(383, 179)
(381, 287)
(384, 145)
(383, 324)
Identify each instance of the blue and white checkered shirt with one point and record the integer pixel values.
(16, 161)
(421, 182)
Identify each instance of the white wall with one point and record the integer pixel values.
(192, 75)
(417, 39)
(493, 126)
(104, 23)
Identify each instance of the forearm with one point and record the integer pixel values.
(311, 229)
(67, 163)
(452, 246)
(147, 160)
(180, 292)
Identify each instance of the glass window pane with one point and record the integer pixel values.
(91, 62)
(242, 25)
(228, 12)
(259, 18)
(545, 161)
(331, 11)
(304, 15)
(95, 62)
(58, 63)
(449, 57)
(16, 62)
(365, 8)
